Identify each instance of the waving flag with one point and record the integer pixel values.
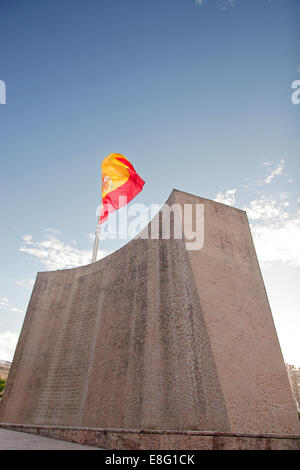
(120, 184)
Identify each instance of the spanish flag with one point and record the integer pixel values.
(120, 184)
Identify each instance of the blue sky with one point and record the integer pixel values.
(196, 94)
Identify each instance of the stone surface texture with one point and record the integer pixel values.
(156, 337)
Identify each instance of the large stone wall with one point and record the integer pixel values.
(155, 337)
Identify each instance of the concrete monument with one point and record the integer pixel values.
(155, 338)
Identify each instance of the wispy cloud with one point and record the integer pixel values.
(276, 172)
(7, 307)
(26, 283)
(8, 341)
(274, 220)
(55, 254)
(227, 198)
(223, 5)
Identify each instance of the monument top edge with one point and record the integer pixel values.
(206, 199)
(202, 200)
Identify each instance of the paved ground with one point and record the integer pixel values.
(14, 440)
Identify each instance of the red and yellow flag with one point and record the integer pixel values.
(120, 184)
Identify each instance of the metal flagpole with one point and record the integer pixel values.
(97, 234)
(96, 243)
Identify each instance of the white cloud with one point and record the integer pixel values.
(53, 230)
(26, 283)
(6, 306)
(266, 208)
(275, 231)
(55, 254)
(27, 238)
(278, 243)
(288, 327)
(283, 196)
(226, 198)
(222, 6)
(276, 172)
(8, 342)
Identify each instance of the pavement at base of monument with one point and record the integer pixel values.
(14, 440)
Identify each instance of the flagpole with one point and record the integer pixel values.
(96, 243)
(97, 234)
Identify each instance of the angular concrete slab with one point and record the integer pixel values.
(156, 337)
